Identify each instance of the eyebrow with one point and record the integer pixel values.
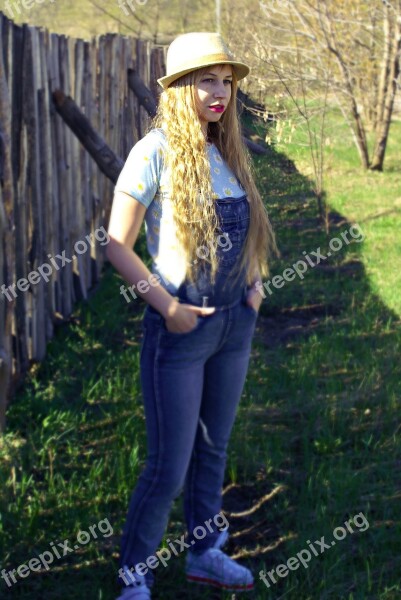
(214, 75)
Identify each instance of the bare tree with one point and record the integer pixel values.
(359, 45)
(311, 107)
(389, 79)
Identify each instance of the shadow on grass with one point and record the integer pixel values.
(316, 440)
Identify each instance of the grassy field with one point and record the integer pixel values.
(316, 441)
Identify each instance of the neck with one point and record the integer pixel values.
(208, 139)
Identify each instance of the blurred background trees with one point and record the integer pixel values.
(346, 52)
(304, 54)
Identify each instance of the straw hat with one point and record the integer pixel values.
(191, 51)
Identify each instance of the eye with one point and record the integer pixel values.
(213, 80)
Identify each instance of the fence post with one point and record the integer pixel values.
(7, 249)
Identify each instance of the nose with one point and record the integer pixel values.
(220, 91)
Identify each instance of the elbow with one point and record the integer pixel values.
(112, 250)
(116, 251)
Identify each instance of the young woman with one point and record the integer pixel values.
(210, 239)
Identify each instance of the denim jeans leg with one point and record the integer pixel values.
(224, 379)
(172, 391)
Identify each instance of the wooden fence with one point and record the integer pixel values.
(52, 194)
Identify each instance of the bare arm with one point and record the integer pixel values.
(126, 219)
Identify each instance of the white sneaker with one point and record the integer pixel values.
(213, 567)
(137, 590)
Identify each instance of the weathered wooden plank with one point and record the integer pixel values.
(36, 321)
(157, 70)
(96, 176)
(57, 130)
(130, 102)
(7, 239)
(23, 203)
(65, 190)
(113, 91)
(86, 104)
(77, 215)
(47, 175)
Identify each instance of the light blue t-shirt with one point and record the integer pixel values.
(145, 178)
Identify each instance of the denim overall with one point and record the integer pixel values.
(191, 384)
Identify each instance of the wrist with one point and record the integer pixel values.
(255, 278)
(170, 308)
(254, 284)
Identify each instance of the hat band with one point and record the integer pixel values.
(202, 62)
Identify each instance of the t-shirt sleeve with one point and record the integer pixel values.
(140, 176)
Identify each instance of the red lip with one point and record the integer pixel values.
(217, 108)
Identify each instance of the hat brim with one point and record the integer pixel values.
(241, 71)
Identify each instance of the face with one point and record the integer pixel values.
(213, 93)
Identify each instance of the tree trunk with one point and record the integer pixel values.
(392, 73)
(386, 65)
(358, 129)
(360, 136)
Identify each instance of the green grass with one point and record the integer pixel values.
(316, 439)
(371, 199)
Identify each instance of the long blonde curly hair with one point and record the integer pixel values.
(190, 179)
